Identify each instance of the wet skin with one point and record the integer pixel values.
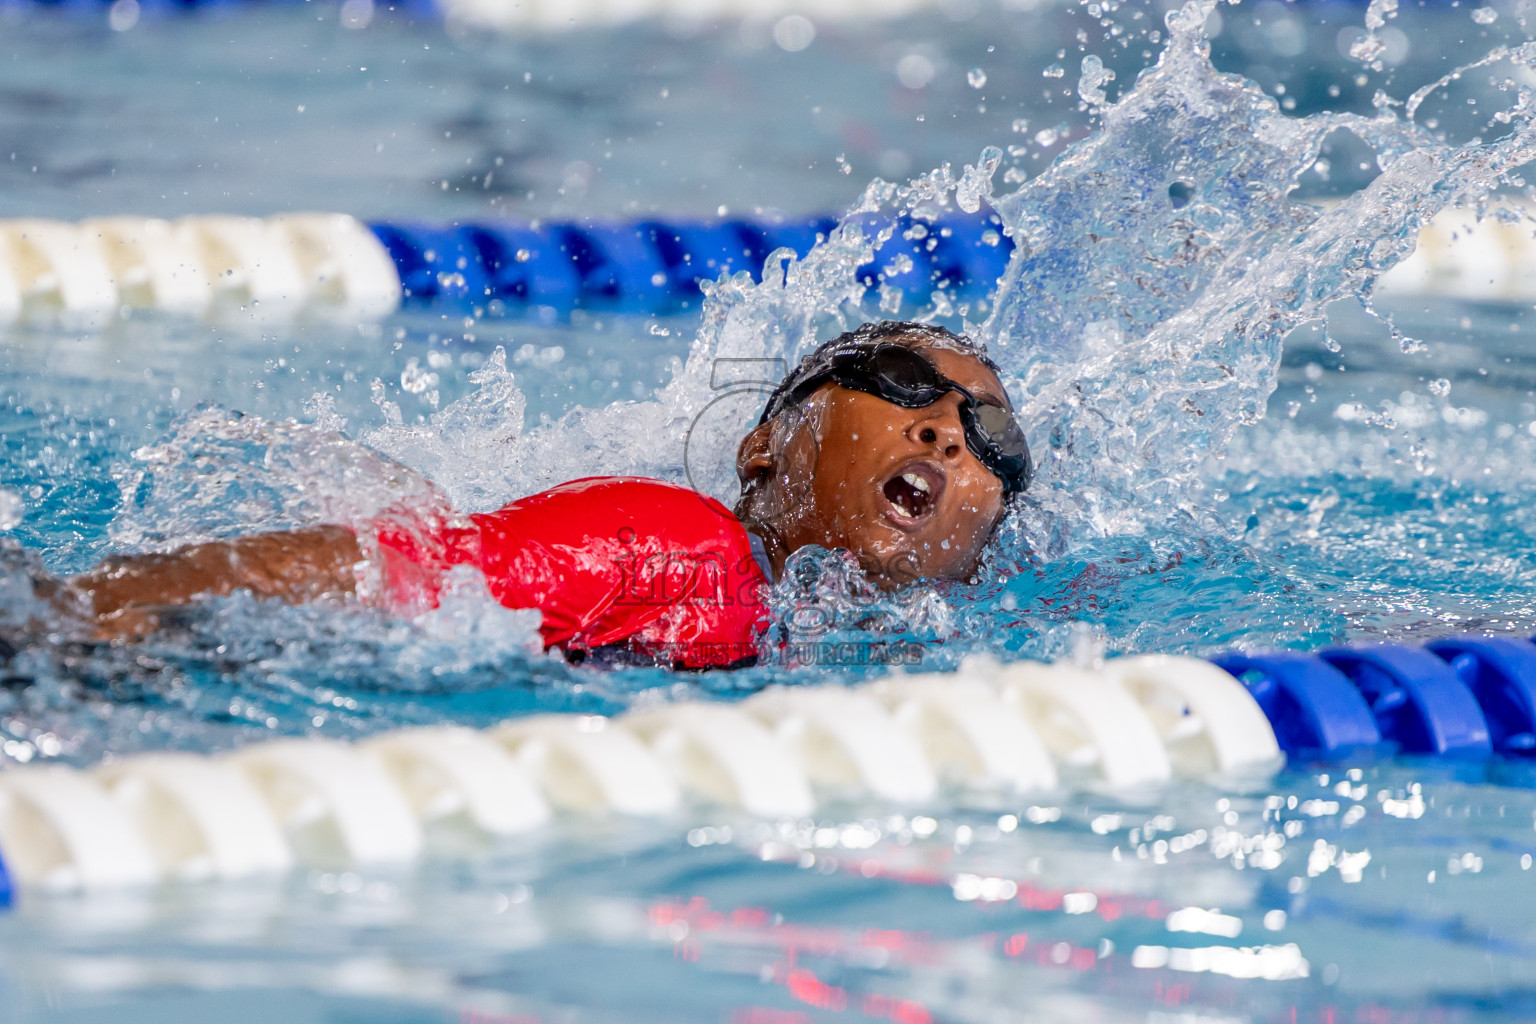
(897, 487)
(125, 593)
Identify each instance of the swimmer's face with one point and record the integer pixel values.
(897, 487)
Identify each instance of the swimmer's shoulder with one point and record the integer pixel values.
(646, 506)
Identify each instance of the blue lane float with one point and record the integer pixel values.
(1416, 699)
(1501, 674)
(655, 267)
(1464, 697)
(1312, 706)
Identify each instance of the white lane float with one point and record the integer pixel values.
(968, 732)
(1012, 729)
(347, 274)
(335, 805)
(1087, 721)
(449, 772)
(10, 285)
(155, 264)
(719, 754)
(250, 261)
(58, 270)
(59, 829)
(1462, 257)
(846, 741)
(292, 266)
(1205, 718)
(201, 817)
(582, 763)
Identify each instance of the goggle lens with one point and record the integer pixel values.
(1001, 430)
(904, 370)
(903, 377)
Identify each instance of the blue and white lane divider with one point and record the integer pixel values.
(1010, 730)
(331, 266)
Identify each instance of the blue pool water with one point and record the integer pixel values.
(1383, 493)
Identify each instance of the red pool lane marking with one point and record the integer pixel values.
(794, 939)
(910, 948)
(907, 947)
(902, 1011)
(1031, 896)
(805, 987)
(1052, 954)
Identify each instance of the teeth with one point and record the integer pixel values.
(917, 482)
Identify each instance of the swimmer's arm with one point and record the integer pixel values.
(122, 592)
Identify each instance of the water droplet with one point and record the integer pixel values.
(416, 380)
(1090, 88)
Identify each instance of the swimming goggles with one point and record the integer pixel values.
(903, 377)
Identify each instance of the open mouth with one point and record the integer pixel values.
(913, 493)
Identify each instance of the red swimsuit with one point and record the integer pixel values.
(607, 560)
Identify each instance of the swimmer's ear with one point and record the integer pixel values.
(754, 456)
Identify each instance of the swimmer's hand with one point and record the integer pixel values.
(125, 595)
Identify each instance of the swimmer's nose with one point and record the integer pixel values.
(938, 426)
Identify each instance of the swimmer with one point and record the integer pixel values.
(895, 442)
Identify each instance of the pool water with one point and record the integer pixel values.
(1384, 493)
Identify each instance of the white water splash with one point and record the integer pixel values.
(1161, 263)
(222, 472)
(1369, 47)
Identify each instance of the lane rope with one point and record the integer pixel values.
(328, 266)
(1128, 725)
